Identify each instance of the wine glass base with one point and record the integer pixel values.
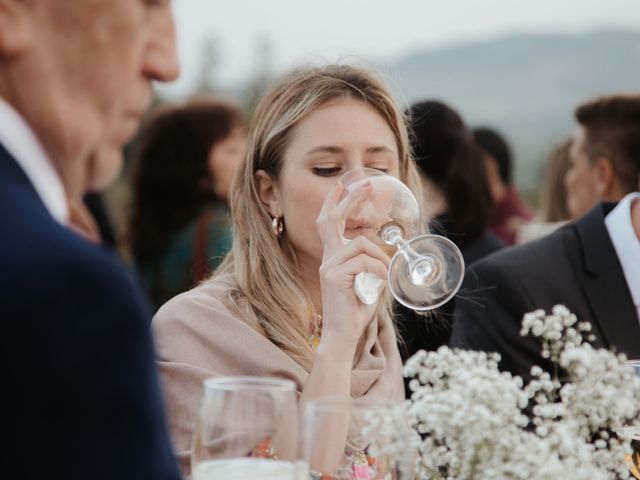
(430, 279)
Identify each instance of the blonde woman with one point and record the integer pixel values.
(282, 304)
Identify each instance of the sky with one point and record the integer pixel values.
(299, 31)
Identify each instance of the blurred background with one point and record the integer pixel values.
(520, 67)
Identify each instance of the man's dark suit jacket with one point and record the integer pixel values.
(81, 395)
(575, 266)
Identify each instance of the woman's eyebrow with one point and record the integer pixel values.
(380, 149)
(338, 149)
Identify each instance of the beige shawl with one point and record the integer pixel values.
(197, 338)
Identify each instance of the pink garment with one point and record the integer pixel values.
(197, 337)
(508, 215)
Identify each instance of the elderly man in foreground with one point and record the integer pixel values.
(80, 389)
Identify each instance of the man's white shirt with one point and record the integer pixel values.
(17, 137)
(626, 244)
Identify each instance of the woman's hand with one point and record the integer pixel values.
(344, 316)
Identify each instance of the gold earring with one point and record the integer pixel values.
(277, 225)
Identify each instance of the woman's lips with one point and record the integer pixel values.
(356, 224)
(353, 229)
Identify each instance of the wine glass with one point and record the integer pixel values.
(247, 428)
(426, 271)
(633, 433)
(346, 439)
(635, 365)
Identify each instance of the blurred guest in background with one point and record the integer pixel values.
(603, 154)
(553, 211)
(81, 394)
(283, 303)
(553, 195)
(457, 192)
(591, 266)
(179, 227)
(457, 200)
(509, 211)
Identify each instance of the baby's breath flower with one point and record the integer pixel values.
(469, 421)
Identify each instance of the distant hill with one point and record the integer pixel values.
(525, 85)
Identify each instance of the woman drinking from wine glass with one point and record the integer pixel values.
(283, 304)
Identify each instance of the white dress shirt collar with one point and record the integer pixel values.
(626, 244)
(20, 141)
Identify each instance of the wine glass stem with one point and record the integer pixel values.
(422, 268)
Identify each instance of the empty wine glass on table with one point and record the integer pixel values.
(247, 428)
(635, 365)
(633, 433)
(349, 440)
(426, 271)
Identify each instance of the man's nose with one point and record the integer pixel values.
(161, 61)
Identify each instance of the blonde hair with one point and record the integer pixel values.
(261, 270)
(553, 195)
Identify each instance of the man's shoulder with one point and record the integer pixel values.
(38, 254)
(43, 244)
(553, 249)
(499, 289)
(24, 217)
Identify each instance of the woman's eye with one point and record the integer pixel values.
(381, 169)
(326, 172)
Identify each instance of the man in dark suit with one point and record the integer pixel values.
(591, 266)
(80, 390)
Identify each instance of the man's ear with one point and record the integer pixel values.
(608, 184)
(268, 192)
(15, 27)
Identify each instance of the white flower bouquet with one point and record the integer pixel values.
(471, 421)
